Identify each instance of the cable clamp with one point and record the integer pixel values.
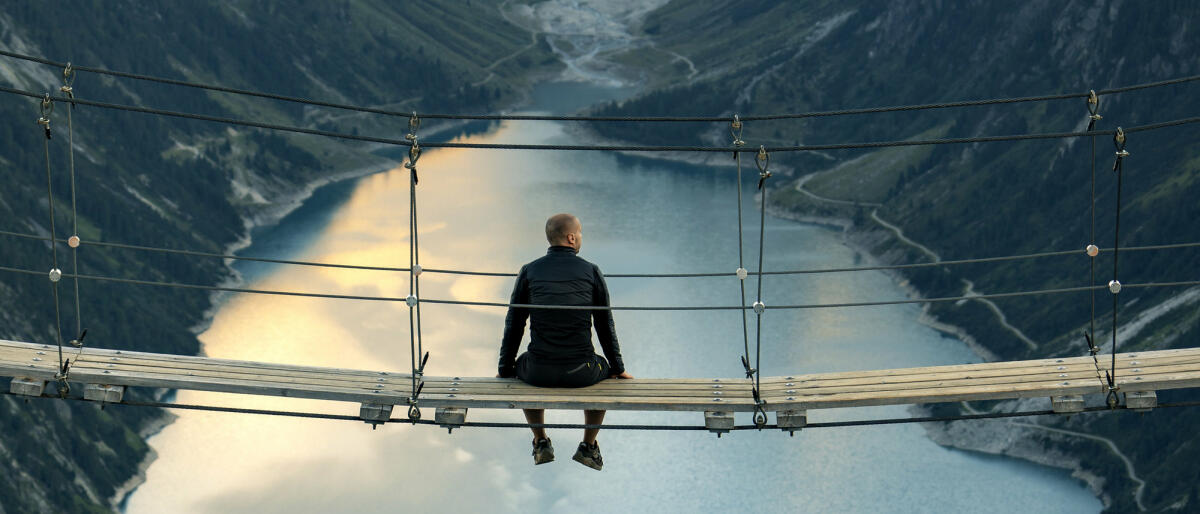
(1092, 250)
(412, 301)
(55, 275)
(1119, 141)
(68, 81)
(73, 241)
(1114, 286)
(758, 307)
(735, 130)
(763, 161)
(749, 371)
(742, 273)
(417, 269)
(44, 119)
(1093, 105)
(78, 341)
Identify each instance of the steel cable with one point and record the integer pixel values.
(515, 117)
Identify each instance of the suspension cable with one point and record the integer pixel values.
(47, 107)
(762, 161)
(1063, 290)
(609, 148)
(735, 129)
(73, 242)
(1093, 104)
(416, 351)
(1114, 286)
(644, 427)
(812, 271)
(841, 112)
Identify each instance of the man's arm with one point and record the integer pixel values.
(605, 328)
(514, 327)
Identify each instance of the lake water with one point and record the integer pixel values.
(483, 210)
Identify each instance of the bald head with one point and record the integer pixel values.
(564, 230)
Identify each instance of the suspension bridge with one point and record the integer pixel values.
(1127, 381)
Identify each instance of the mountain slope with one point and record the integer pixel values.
(984, 199)
(189, 184)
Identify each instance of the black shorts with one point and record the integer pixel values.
(578, 374)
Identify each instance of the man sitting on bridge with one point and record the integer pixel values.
(560, 344)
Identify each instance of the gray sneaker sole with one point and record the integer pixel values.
(587, 461)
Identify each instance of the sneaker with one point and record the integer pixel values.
(543, 451)
(589, 455)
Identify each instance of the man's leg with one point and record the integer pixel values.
(590, 417)
(537, 416)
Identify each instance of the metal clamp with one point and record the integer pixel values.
(47, 108)
(1093, 104)
(735, 130)
(763, 161)
(68, 81)
(1119, 142)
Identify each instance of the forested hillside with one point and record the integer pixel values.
(187, 184)
(981, 199)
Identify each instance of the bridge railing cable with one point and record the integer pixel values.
(809, 271)
(1063, 290)
(641, 427)
(606, 148)
(522, 117)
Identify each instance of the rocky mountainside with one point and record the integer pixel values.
(915, 204)
(189, 184)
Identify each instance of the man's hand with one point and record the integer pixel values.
(623, 375)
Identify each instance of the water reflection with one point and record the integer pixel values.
(484, 211)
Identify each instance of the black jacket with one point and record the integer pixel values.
(559, 335)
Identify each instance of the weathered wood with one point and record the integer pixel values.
(789, 396)
(27, 386)
(450, 417)
(719, 422)
(103, 393)
(791, 420)
(1141, 401)
(375, 413)
(1067, 404)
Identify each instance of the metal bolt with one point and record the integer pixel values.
(718, 386)
(1066, 383)
(453, 389)
(716, 399)
(1062, 375)
(789, 384)
(791, 391)
(37, 359)
(41, 353)
(449, 396)
(791, 397)
(1062, 367)
(717, 393)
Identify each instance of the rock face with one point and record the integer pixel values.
(169, 183)
(980, 199)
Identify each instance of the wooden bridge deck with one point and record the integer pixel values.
(1065, 381)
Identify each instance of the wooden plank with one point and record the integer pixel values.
(983, 369)
(1078, 376)
(988, 392)
(101, 354)
(1137, 372)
